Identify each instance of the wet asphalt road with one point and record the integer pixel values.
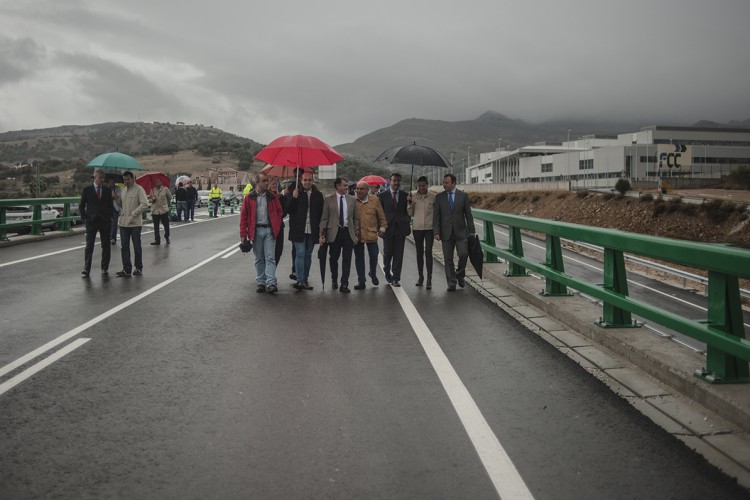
(205, 389)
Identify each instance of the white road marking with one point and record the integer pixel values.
(77, 330)
(28, 372)
(97, 243)
(502, 471)
(226, 256)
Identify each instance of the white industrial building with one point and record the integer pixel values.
(596, 160)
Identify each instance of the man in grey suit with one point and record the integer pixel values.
(452, 222)
(339, 227)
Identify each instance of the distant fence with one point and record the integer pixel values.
(728, 351)
(36, 222)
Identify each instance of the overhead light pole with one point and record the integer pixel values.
(567, 156)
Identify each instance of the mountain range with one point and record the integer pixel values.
(488, 132)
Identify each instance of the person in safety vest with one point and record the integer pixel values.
(248, 188)
(214, 196)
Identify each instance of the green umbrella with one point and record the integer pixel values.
(115, 161)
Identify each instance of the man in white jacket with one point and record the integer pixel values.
(133, 202)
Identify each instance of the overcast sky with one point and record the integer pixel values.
(341, 69)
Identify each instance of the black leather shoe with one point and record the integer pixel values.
(419, 282)
(388, 278)
(461, 282)
(293, 277)
(375, 281)
(123, 274)
(298, 285)
(395, 283)
(428, 286)
(156, 242)
(85, 274)
(344, 289)
(335, 286)
(167, 241)
(360, 286)
(451, 288)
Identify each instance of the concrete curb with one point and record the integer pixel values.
(654, 374)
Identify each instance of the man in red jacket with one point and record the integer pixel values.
(260, 223)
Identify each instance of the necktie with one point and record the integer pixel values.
(450, 199)
(341, 211)
(98, 192)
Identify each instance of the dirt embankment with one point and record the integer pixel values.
(715, 221)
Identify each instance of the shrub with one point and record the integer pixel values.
(741, 176)
(608, 196)
(646, 197)
(622, 186)
(717, 211)
(673, 205)
(582, 193)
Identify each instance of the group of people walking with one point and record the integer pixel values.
(105, 208)
(351, 226)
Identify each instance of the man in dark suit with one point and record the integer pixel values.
(305, 207)
(339, 227)
(395, 203)
(452, 222)
(96, 210)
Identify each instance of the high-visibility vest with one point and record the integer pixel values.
(215, 193)
(248, 188)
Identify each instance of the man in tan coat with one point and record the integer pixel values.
(133, 203)
(372, 224)
(160, 197)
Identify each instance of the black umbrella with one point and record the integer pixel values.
(413, 154)
(475, 254)
(322, 257)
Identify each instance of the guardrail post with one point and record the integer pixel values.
(36, 221)
(65, 225)
(616, 280)
(554, 261)
(516, 248)
(725, 315)
(489, 239)
(3, 233)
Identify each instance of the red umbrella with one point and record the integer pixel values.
(299, 151)
(373, 180)
(146, 181)
(281, 171)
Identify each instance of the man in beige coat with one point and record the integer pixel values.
(133, 203)
(339, 227)
(372, 224)
(160, 197)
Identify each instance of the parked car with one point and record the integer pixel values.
(22, 213)
(74, 211)
(228, 197)
(202, 198)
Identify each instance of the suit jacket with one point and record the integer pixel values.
(397, 217)
(298, 209)
(456, 223)
(93, 209)
(329, 220)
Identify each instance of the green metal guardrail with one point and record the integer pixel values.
(723, 331)
(36, 221)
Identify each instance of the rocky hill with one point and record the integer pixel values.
(73, 142)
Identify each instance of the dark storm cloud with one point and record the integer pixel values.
(343, 69)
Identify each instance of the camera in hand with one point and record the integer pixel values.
(246, 246)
